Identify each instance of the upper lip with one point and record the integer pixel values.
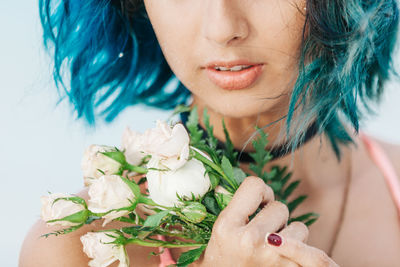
(230, 64)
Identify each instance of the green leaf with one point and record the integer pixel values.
(229, 148)
(91, 219)
(179, 109)
(76, 200)
(311, 221)
(304, 217)
(155, 219)
(212, 141)
(190, 256)
(133, 186)
(228, 170)
(214, 179)
(286, 178)
(261, 156)
(293, 204)
(132, 230)
(211, 204)
(118, 156)
(142, 180)
(276, 186)
(223, 199)
(63, 231)
(77, 217)
(239, 175)
(291, 187)
(196, 134)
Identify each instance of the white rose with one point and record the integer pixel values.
(132, 143)
(61, 208)
(107, 193)
(93, 160)
(164, 185)
(103, 254)
(170, 146)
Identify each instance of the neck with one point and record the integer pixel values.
(242, 129)
(310, 162)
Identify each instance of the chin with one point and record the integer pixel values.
(237, 108)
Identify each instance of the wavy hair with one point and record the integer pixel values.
(106, 57)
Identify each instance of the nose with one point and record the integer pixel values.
(225, 22)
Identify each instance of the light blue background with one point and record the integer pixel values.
(41, 144)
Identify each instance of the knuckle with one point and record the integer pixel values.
(270, 256)
(283, 209)
(253, 181)
(301, 227)
(247, 241)
(220, 230)
(256, 182)
(322, 260)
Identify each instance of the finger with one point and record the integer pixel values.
(251, 193)
(299, 252)
(295, 230)
(272, 258)
(269, 220)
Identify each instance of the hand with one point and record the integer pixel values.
(237, 242)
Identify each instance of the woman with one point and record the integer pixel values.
(291, 65)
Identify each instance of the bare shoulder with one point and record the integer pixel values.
(67, 250)
(370, 232)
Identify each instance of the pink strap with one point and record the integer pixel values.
(383, 162)
(166, 257)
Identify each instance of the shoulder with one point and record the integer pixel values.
(63, 250)
(67, 250)
(369, 212)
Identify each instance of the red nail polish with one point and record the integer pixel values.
(275, 240)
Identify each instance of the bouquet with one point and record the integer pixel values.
(189, 179)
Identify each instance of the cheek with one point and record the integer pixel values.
(175, 33)
(279, 30)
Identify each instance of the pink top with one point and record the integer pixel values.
(380, 158)
(377, 155)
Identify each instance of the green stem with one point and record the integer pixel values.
(161, 244)
(148, 201)
(208, 162)
(134, 168)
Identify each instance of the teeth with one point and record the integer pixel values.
(235, 68)
(223, 68)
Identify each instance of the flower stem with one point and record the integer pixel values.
(208, 162)
(134, 168)
(160, 243)
(148, 201)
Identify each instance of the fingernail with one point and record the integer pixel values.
(274, 239)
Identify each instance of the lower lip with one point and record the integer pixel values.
(235, 80)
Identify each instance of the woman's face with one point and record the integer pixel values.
(237, 56)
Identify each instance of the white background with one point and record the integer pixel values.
(41, 144)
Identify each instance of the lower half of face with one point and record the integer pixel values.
(240, 57)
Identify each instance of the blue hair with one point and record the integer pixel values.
(108, 53)
(110, 60)
(345, 61)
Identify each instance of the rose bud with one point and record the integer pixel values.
(194, 212)
(95, 164)
(98, 246)
(57, 209)
(222, 196)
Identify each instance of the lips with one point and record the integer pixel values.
(231, 79)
